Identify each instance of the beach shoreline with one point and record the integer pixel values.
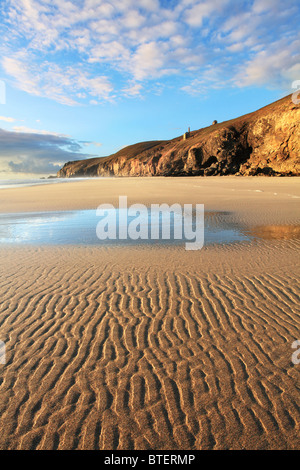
(277, 195)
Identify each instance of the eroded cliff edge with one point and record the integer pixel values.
(264, 142)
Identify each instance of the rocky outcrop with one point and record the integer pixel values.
(266, 142)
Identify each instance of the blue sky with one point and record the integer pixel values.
(88, 77)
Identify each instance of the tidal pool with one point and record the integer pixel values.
(79, 228)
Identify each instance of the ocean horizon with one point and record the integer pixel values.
(23, 182)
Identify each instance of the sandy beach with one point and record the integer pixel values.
(154, 347)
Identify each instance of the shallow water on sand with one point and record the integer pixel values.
(79, 228)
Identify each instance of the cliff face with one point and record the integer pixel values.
(264, 142)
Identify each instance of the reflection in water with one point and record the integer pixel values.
(79, 228)
(276, 232)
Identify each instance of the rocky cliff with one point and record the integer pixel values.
(264, 142)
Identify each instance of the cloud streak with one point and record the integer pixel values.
(7, 119)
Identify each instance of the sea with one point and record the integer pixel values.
(19, 183)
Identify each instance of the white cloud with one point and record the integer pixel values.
(7, 119)
(133, 20)
(201, 10)
(261, 6)
(51, 81)
(133, 90)
(87, 144)
(29, 79)
(81, 51)
(273, 67)
(126, 35)
(108, 51)
(149, 60)
(212, 78)
(29, 130)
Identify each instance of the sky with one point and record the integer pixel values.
(84, 78)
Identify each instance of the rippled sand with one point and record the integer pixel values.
(155, 347)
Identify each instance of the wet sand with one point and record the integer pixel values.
(154, 347)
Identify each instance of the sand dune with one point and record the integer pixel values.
(151, 348)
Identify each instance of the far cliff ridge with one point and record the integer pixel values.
(265, 142)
